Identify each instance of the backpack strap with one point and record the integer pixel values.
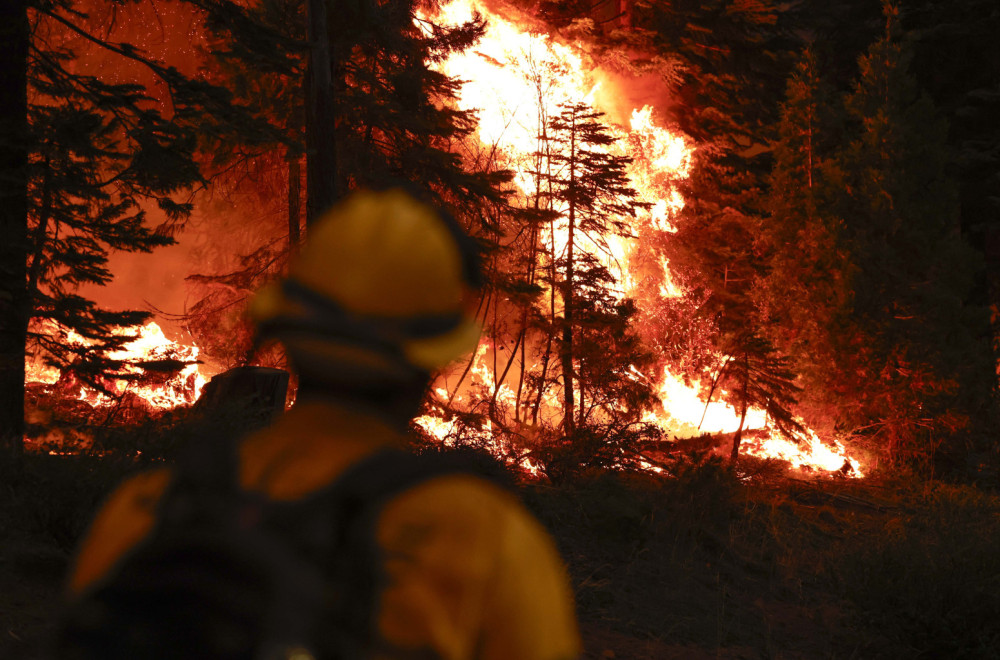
(361, 493)
(336, 526)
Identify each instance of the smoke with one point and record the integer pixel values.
(232, 219)
(618, 94)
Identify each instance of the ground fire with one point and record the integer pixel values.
(158, 375)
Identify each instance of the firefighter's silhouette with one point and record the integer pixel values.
(377, 299)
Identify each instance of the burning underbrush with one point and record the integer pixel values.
(472, 409)
(161, 380)
(66, 410)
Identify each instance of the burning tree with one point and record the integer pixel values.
(85, 158)
(390, 117)
(590, 188)
(510, 396)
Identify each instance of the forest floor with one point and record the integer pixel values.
(702, 564)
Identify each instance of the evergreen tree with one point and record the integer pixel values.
(269, 84)
(250, 174)
(362, 102)
(15, 40)
(591, 185)
(803, 292)
(394, 119)
(956, 59)
(912, 348)
(88, 158)
(839, 33)
(757, 376)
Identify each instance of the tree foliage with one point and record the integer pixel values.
(390, 119)
(870, 278)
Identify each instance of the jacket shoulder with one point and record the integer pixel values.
(126, 517)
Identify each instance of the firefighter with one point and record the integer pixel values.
(375, 301)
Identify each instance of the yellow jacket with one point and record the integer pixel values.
(471, 574)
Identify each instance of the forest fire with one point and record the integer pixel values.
(168, 374)
(713, 286)
(517, 81)
(522, 83)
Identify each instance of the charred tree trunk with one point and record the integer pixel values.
(15, 34)
(321, 144)
(738, 437)
(484, 302)
(522, 339)
(546, 356)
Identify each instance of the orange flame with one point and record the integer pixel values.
(150, 344)
(515, 80)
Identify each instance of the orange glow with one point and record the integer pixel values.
(178, 389)
(515, 79)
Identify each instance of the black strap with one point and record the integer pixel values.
(363, 490)
(327, 318)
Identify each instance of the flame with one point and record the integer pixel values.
(515, 79)
(150, 344)
(687, 415)
(449, 431)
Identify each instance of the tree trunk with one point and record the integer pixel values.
(294, 202)
(532, 261)
(14, 39)
(738, 438)
(566, 356)
(321, 145)
(546, 356)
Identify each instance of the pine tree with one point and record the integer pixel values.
(15, 39)
(757, 376)
(588, 184)
(269, 81)
(804, 288)
(269, 84)
(393, 114)
(913, 344)
(390, 116)
(88, 157)
(361, 100)
(947, 36)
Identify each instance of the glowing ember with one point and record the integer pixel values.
(179, 388)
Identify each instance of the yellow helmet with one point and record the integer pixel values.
(381, 275)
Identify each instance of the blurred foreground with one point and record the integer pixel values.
(700, 563)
